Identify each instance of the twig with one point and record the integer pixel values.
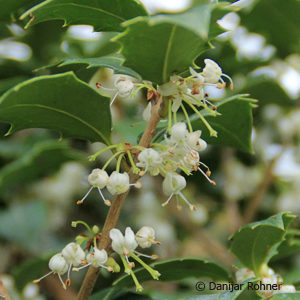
(118, 202)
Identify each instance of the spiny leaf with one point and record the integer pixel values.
(172, 43)
(112, 61)
(103, 15)
(234, 125)
(61, 102)
(256, 243)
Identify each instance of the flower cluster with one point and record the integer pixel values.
(74, 258)
(268, 278)
(117, 183)
(125, 246)
(70, 258)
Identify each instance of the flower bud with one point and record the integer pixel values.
(95, 229)
(58, 264)
(73, 254)
(98, 178)
(118, 183)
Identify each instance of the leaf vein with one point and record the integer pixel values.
(165, 66)
(67, 114)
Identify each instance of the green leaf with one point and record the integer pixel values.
(177, 269)
(234, 125)
(256, 243)
(294, 296)
(257, 87)
(290, 246)
(112, 61)
(43, 159)
(172, 44)
(25, 225)
(278, 21)
(103, 15)
(61, 102)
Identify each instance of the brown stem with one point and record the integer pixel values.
(118, 202)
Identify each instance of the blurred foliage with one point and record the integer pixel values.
(39, 184)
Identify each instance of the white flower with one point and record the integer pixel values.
(123, 244)
(286, 288)
(213, 73)
(145, 237)
(58, 264)
(124, 86)
(244, 274)
(195, 142)
(173, 184)
(118, 183)
(73, 254)
(98, 178)
(150, 160)
(98, 258)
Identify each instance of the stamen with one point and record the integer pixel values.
(211, 130)
(114, 98)
(83, 267)
(106, 201)
(63, 284)
(167, 202)
(81, 201)
(68, 281)
(192, 207)
(229, 78)
(144, 255)
(211, 181)
(38, 280)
